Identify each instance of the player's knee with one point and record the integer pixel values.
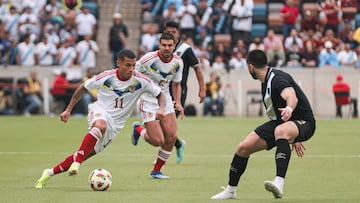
(281, 133)
(156, 141)
(243, 150)
(101, 125)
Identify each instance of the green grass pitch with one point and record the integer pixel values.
(329, 172)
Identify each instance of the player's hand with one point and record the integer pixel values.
(180, 109)
(160, 114)
(286, 113)
(202, 95)
(64, 116)
(299, 148)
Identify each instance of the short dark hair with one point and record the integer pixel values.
(126, 53)
(172, 24)
(257, 58)
(167, 36)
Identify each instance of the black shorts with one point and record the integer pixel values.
(266, 131)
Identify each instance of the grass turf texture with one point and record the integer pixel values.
(329, 172)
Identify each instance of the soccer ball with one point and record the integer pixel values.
(100, 179)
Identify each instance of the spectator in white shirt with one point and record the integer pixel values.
(45, 52)
(218, 63)
(26, 52)
(347, 57)
(85, 23)
(11, 22)
(86, 52)
(237, 61)
(28, 20)
(186, 15)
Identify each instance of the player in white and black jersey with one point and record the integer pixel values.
(186, 52)
(291, 122)
(163, 67)
(117, 93)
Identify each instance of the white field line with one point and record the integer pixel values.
(312, 156)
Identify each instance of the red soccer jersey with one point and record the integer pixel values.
(294, 11)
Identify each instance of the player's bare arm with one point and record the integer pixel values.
(200, 79)
(289, 95)
(79, 92)
(177, 95)
(162, 103)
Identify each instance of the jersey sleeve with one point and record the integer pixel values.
(178, 75)
(95, 82)
(190, 57)
(152, 89)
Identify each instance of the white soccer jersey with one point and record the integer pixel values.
(45, 53)
(118, 98)
(161, 73)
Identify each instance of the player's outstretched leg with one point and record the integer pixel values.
(228, 193)
(275, 186)
(180, 147)
(42, 181)
(136, 133)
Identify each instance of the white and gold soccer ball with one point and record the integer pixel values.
(100, 179)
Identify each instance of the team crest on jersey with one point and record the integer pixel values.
(131, 88)
(149, 114)
(97, 115)
(178, 53)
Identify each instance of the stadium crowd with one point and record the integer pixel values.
(58, 33)
(296, 33)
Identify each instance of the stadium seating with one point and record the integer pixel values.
(275, 7)
(222, 39)
(260, 13)
(275, 22)
(313, 7)
(357, 20)
(258, 30)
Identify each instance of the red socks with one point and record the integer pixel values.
(86, 147)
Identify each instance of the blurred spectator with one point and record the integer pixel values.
(219, 19)
(315, 43)
(328, 56)
(117, 37)
(332, 15)
(274, 49)
(202, 17)
(293, 57)
(85, 23)
(3, 9)
(62, 89)
(86, 52)
(149, 40)
(289, 12)
(341, 89)
(26, 52)
(169, 14)
(223, 52)
(350, 39)
(257, 44)
(146, 9)
(346, 28)
(293, 38)
(238, 61)
(67, 32)
(186, 15)
(349, 9)
(218, 64)
(205, 63)
(213, 103)
(309, 22)
(52, 35)
(11, 22)
(6, 102)
(203, 39)
(347, 57)
(90, 96)
(66, 54)
(241, 14)
(5, 46)
(28, 20)
(309, 55)
(12, 54)
(45, 52)
(330, 36)
(239, 47)
(32, 94)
